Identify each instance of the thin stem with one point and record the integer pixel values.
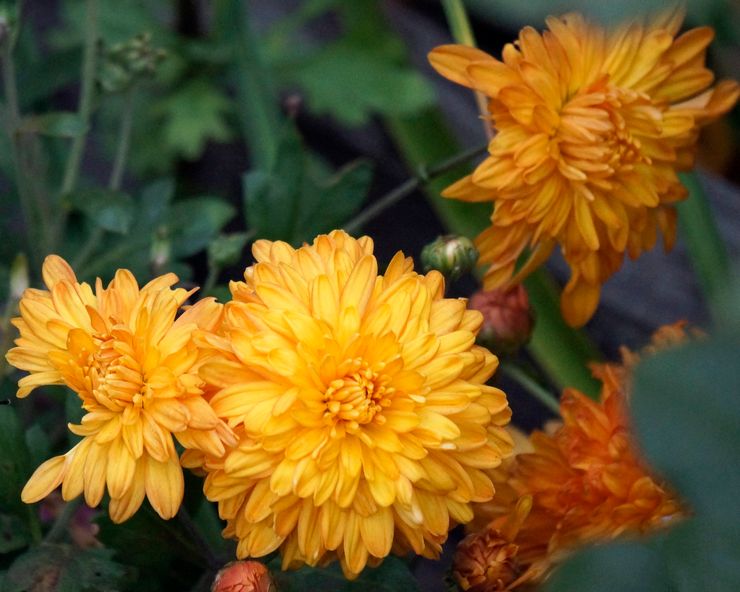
(196, 538)
(116, 177)
(87, 88)
(706, 248)
(423, 175)
(534, 388)
(462, 32)
(22, 175)
(59, 528)
(124, 142)
(213, 273)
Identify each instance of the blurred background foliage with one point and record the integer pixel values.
(209, 124)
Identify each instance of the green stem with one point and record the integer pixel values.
(124, 142)
(423, 175)
(562, 351)
(534, 388)
(258, 110)
(462, 32)
(32, 214)
(197, 540)
(87, 88)
(213, 273)
(114, 184)
(706, 248)
(59, 528)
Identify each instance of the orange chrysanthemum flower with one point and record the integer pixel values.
(591, 128)
(360, 401)
(586, 482)
(134, 368)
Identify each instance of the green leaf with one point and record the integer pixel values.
(227, 249)
(349, 82)
(392, 575)
(62, 568)
(193, 115)
(61, 124)
(110, 210)
(193, 223)
(14, 460)
(619, 567)
(296, 198)
(686, 413)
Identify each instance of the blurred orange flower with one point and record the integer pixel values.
(584, 482)
(591, 128)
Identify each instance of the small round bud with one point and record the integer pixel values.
(243, 576)
(125, 64)
(486, 562)
(160, 252)
(508, 320)
(453, 256)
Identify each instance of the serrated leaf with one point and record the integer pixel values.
(393, 575)
(347, 81)
(297, 198)
(193, 115)
(110, 210)
(61, 124)
(193, 223)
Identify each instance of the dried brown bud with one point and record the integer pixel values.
(508, 320)
(243, 576)
(486, 562)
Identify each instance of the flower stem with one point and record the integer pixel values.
(706, 248)
(87, 91)
(59, 528)
(423, 175)
(116, 177)
(197, 540)
(34, 213)
(462, 32)
(534, 388)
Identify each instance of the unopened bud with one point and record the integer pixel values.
(508, 320)
(453, 256)
(243, 576)
(125, 64)
(161, 250)
(18, 277)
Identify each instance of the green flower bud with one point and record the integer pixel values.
(453, 256)
(125, 64)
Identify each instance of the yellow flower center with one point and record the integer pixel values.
(115, 379)
(358, 397)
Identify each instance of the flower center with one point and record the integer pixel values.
(358, 397)
(115, 378)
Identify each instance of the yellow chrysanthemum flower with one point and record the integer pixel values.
(135, 369)
(591, 127)
(360, 401)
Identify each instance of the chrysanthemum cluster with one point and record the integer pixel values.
(582, 483)
(591, 128)
(336, 412)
